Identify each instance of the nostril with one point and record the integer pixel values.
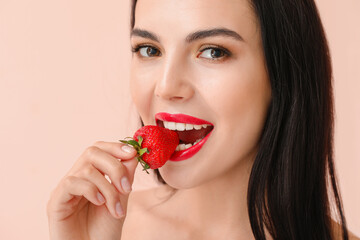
(174, 91)
(176, 98)
(169, 97)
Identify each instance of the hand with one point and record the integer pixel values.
(85, 205)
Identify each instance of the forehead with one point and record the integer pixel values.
(179, 17)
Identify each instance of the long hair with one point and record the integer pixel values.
(288, 186)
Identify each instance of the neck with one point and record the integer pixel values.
(219, 205)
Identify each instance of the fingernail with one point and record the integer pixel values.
(119, 210)
(100, 197)
(126, 184)
(127, 149)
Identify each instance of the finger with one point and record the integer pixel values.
(118, 173)
(108, 190)
(131, 167)
(73, 186)
(118, 150)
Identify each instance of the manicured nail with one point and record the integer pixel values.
(100, 197)
(125, 184)
(119, 210)
(128, 149)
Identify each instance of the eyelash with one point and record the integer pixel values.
(226, 53)
(138, 47)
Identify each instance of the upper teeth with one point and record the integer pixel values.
(183, 126)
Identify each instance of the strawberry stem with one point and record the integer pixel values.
(143, 164)
(140, 151)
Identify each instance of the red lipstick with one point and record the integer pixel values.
(183, 118)
(188, 153)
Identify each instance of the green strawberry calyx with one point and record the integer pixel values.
(140, 151)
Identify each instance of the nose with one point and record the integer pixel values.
(174, 83)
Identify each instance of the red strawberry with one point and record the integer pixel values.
(154, 145)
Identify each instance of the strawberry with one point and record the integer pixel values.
(154, 145)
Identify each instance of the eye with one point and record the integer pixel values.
(214, 53)
(146, 51)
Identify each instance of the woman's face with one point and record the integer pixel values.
(218, 76)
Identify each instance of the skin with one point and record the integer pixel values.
(231, 91)
(177, 77)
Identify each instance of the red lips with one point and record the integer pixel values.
(183, 118)
(180, 118)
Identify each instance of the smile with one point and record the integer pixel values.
(193, 133)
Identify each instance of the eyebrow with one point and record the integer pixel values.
(144, 34)
(201, 34)
(212, 33)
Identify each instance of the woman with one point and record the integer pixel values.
(259, 74)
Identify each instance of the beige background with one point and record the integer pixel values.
(64, 67)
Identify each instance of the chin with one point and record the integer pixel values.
(179, 179)
(185, 178)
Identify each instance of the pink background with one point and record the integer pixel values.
(64, 69)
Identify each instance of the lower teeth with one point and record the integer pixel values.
(184, 146)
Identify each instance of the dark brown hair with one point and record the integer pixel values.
(288, 186)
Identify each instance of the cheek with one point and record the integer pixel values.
(245, 99)
(141, 87)
(242, 102)
(240, 93)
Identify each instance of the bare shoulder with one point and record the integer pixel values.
(337, 230)
(143, 212)
(353, 237)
